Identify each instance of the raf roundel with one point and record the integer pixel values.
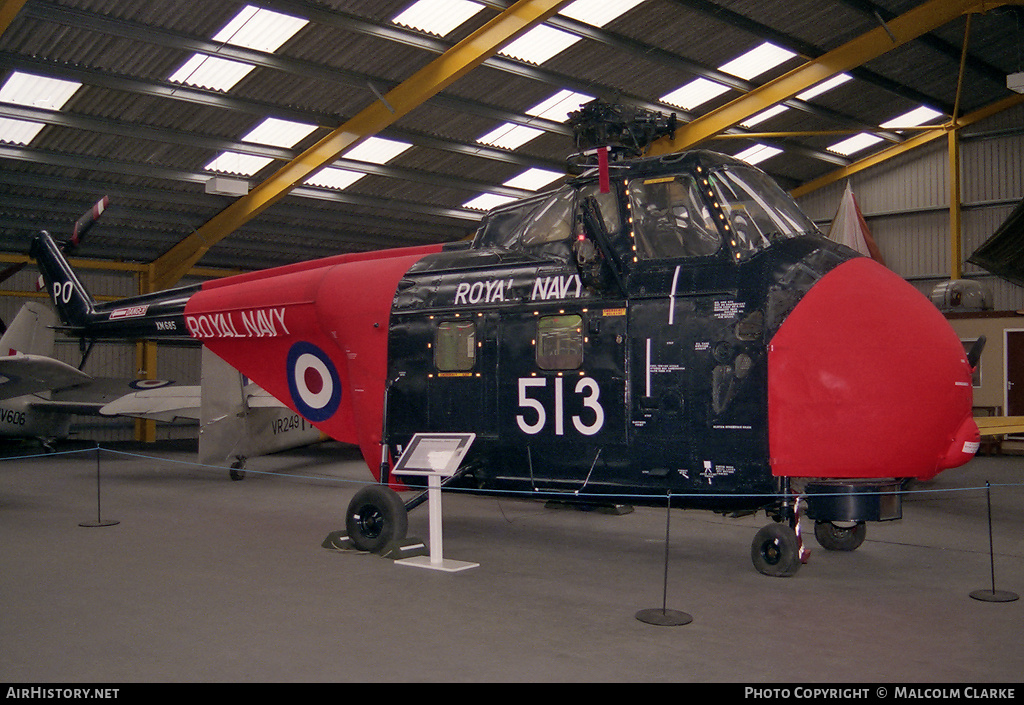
(143, 384)
(313, 382)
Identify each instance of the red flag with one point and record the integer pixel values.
(849, 228)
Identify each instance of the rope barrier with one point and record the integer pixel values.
(548, 494)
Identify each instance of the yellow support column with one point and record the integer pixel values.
(145, 366)
(955, 233)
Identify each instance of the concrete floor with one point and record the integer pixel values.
(208, 580)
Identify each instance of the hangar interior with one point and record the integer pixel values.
(182, 112)
(124, 100)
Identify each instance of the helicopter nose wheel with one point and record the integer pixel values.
(376, 517)
(775, 551)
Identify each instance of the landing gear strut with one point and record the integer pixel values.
(777, 549)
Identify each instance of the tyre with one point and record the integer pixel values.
(375, 518)
(775, 551)
(832, 537)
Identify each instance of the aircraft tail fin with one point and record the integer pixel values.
(73, 303)
(31, 331)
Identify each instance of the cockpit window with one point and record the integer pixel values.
(758, 210)
(670, 219)
(502, 228)
(552, 222)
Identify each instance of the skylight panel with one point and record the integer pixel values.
(764, 115)
(37, 91)
(377, 150)
(33, 91)
(279, 133)
(487, 201)
(533, 179)
(335, 178)
(694, 93)
(539, 44)
(438, 16)
(757, 61)
(598, 13)
(758, 153)
(260, 29)
(19, 131)
(855, 144)
(914, 118)
(211, 72)
(252, 28)
(825, 86)
(237, 163)
(556, 108)
(510, 136)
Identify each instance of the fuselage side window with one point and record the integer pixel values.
(670, 219)
(455, 346)
(560, 342)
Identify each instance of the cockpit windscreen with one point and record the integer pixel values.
(758, 211)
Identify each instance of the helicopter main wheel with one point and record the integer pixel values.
(237, 470)
(775, 551)
(834, 537)
(375, 518)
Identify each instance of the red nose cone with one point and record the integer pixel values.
(867, 379)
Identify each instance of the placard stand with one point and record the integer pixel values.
(434, 455)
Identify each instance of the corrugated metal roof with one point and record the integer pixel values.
(131, 133)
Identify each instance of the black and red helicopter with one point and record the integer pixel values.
(658, 329)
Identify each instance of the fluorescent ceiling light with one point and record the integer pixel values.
(438, 16)
(854, 144)
(487, 201)
(758, 153)
(377, 150)
(824, 86)
(598, 13)
(333, 177)
(33, 91)
(533, 179)
(279, 133)
(252, 28)
(917, 116)
(237, 163)
(755, 62)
